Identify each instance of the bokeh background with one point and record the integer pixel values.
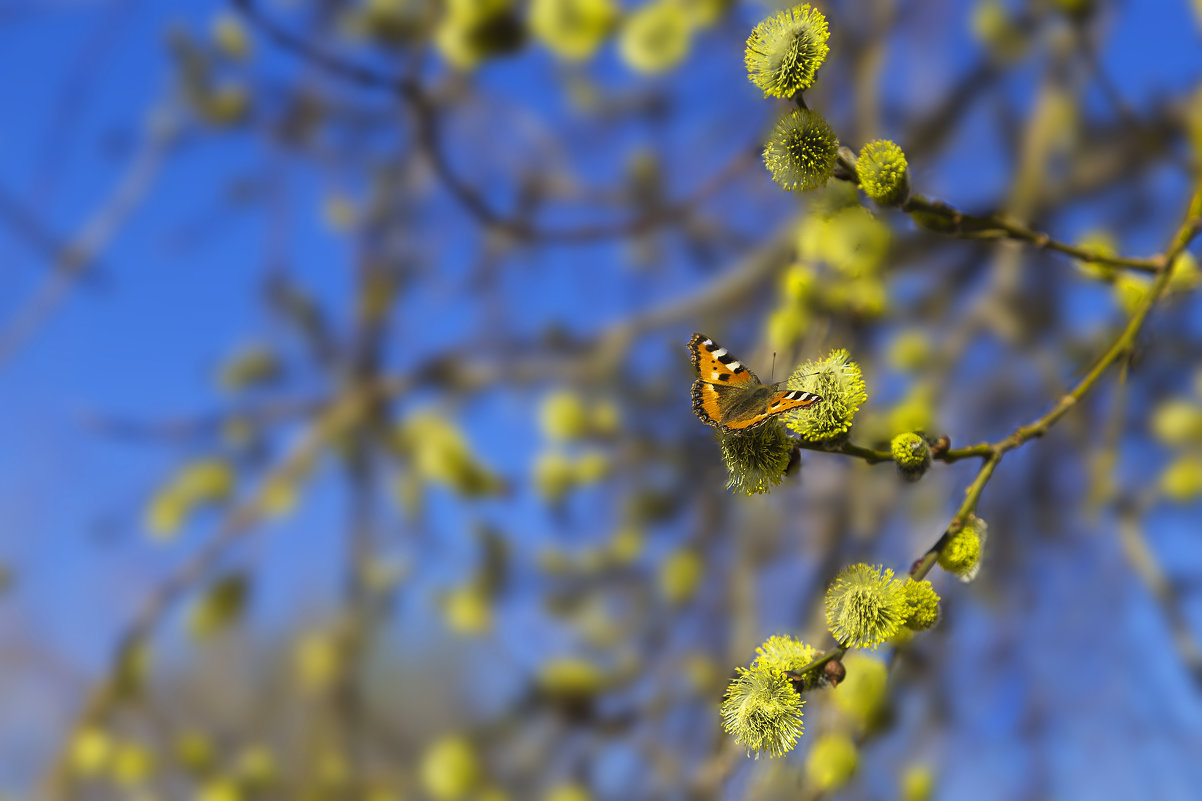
(347, 452)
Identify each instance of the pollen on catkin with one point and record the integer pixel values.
(961, 554)
(785, 51)
(782, 652)
(757, 458)
(883, 174)
(922, 603)
(801, 151)
(840, 383)
(762, 711)
(912, 455)
(865, 606)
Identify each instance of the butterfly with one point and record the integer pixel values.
(729, 397)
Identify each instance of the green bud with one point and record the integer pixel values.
(923, 604)
(912, 455)
(961, 555)
(801, 151)
(883, 174)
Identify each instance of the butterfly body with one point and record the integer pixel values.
(729, 397)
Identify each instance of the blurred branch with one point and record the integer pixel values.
(1143, 561)
(605, 352)
(205, 425)
(88, 64)
(930, 133)
(428, 122)
(933, 128)
(26, 225)
(869, 46)
(74, 258)
(56, 782)
(456, 371)
(1103, 478)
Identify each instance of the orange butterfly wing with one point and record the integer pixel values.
(715, 365)
(779, 403)
(705, 403)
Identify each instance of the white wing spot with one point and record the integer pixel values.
(719, 353)
(716, 375)
(734, 366)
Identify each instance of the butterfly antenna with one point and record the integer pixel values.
(802, 375)
(772, 375)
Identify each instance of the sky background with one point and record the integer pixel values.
(179, 288)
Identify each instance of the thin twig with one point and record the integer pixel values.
(952, 222)
(428, 122)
